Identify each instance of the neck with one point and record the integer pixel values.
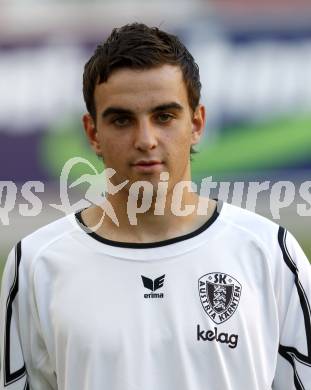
(147, 220)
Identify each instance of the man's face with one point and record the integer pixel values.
(144, 125)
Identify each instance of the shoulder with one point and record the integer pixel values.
(45, 238)
(250, 223)
(270, 237)
(252, 231)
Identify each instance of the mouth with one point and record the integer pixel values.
(148, 165)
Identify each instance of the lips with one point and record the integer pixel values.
(148, 166)
(147, 163)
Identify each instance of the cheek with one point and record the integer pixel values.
(180, 135)
(182, 142)
(112, 146)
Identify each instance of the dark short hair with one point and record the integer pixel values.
(138, 46)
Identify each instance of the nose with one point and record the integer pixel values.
(145, 136)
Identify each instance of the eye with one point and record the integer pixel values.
(121, 121)
(165, 117)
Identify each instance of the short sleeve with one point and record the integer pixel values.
(23, 365)
(293, 369)
(13, 369)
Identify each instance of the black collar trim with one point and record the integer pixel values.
(155, 244)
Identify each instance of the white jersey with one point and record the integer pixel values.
(225, 307)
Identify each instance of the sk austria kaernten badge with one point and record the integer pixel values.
(220, 295)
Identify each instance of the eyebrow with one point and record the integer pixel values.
(119, 110)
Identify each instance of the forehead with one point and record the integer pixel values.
(140, 90)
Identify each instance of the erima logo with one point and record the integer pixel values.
(153, 285)
(209, 335)
(220, 295)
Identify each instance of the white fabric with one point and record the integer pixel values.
(82, 318)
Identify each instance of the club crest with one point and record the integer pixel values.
(220, 295)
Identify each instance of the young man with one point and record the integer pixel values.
(178, 301)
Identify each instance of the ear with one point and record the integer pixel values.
(198, 124)
(91, 133)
